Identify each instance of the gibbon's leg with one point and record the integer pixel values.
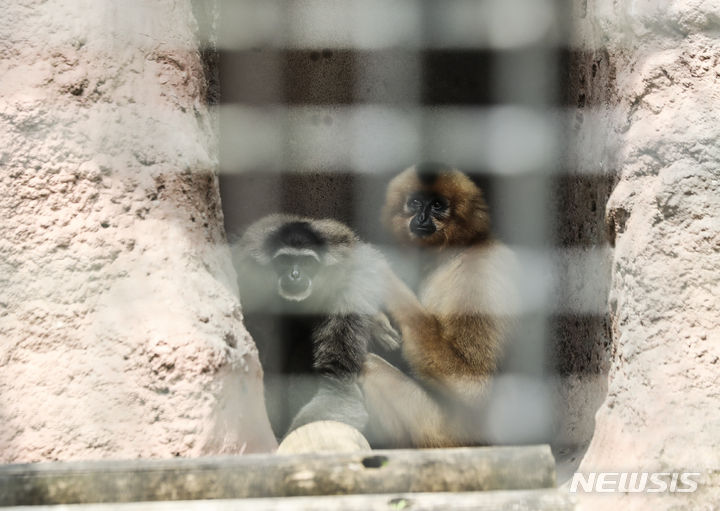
(335, 400)
(402, 413)
(339, 349)
(339, 397)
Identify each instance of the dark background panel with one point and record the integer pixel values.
(462, 78)
(457, 77)
(331, 77)
(352, 198)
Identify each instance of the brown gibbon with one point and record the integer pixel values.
(456, 326)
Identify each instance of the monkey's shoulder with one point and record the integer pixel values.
(361, 282)
(478, 279)
(464, 266)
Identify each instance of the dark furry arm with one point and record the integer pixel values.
(340, 345)
(339, 351)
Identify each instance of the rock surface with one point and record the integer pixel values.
(661, 134)
(121, 330)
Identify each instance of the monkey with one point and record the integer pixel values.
(455, 329)
(311, 294)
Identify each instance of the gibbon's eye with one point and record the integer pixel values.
(282, 261)
(285, 262)
(439, 205)
(414, 203)
(309, 264)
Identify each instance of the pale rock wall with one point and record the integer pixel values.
(581, 335)
(121, 332)
(660, 130)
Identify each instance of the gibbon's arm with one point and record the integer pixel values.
(421, 331)
(402, 413)
(340, 345)
(457, 350)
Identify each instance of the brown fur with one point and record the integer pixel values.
(455, 329)
(468, 222)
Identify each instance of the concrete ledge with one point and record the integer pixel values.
(263, 476)
(527, 500)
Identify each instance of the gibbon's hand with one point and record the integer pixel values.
(385, 333)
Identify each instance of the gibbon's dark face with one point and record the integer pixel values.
(429, 212)
(433, 205)
(296, 251)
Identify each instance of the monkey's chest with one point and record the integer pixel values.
(442, 283)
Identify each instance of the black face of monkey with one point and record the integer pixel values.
(426, 208)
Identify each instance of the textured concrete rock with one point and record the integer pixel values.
(663, 137)
(517, 500)
(121, 332)
(581, 333)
